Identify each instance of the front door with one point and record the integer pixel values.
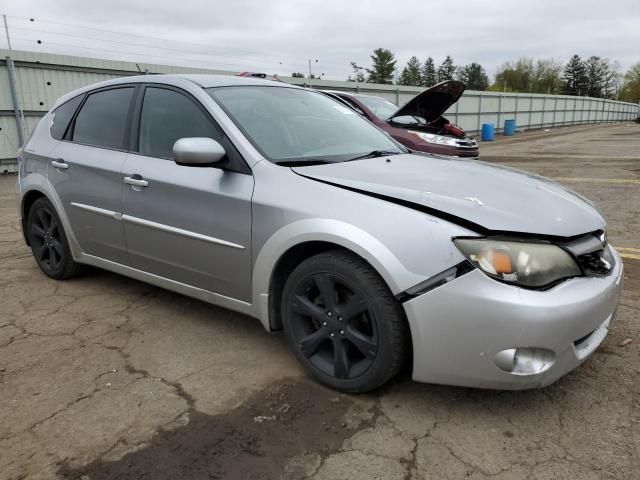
(188, 224)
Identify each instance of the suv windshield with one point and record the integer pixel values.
(286, 123)
(380, 107)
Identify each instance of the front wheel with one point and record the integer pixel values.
(343, 323)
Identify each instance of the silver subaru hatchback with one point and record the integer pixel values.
(280, 203)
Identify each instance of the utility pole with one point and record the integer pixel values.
(12, 86)
(310, 74)
(6, 31)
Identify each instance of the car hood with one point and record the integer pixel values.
(433, 102)
(475, 194)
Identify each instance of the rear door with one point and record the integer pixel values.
(85, 169)
(186, 223)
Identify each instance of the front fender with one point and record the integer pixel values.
(348, 236)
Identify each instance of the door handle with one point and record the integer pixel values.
(60, 163)
(138, 182)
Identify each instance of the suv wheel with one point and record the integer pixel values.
(49, 242)
(343, 323)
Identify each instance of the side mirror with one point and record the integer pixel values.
(197, 152)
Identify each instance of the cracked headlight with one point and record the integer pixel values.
(437, 139)
(530, 265)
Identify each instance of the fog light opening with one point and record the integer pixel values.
(525, 360)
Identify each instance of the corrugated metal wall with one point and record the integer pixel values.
(42, 78)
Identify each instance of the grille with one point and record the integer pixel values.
(582, 339)
(593, 253)
(595, 263)
(466, 143)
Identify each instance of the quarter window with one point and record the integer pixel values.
(103, 117)
(61, 117)
(168, 116)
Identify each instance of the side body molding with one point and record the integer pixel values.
(394, 273)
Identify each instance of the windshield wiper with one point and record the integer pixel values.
(374, 154)
(302, 163)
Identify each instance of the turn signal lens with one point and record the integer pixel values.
(500, 261)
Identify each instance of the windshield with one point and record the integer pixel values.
(380, 107)
(295, 124)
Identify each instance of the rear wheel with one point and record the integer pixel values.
(49, 242)
(343, 323)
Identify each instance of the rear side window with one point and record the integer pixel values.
(168, 116)
(61, 117)
(102, 119)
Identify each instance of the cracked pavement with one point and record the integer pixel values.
(106, 377)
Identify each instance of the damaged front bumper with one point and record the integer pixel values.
(477, 332)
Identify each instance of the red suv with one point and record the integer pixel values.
(419, 125)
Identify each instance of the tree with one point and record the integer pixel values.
(546, 77)
(429, 75)
(446, 70)
(575, 77)
(357, 72)
(382, 67)
(297, 75)
(526, 76)
(411, 73)
(473, 76)
(631, 88)
(612, 78)
(595, 71)
(515, 76)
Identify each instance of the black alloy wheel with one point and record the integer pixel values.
(343, 323)
(334, 326)
(49, 242)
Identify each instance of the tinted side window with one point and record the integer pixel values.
(61, 117)
(102, 119)
(168, 116)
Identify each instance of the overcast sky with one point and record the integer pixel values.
(279, 36)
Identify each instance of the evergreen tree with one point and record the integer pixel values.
(446, 70)
(596, 76)
(357, 72)
(575, 77)
(473, 76)
(411, 73)
(297, 75)
(404, 77)
(383, 66)
(429, 76)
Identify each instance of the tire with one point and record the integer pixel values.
(49, 243)
(343, 323)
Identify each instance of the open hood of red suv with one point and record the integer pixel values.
(433, 102)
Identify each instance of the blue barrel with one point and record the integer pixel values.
(487, 132)
(509, 128)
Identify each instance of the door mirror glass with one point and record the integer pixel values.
(198, 151)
